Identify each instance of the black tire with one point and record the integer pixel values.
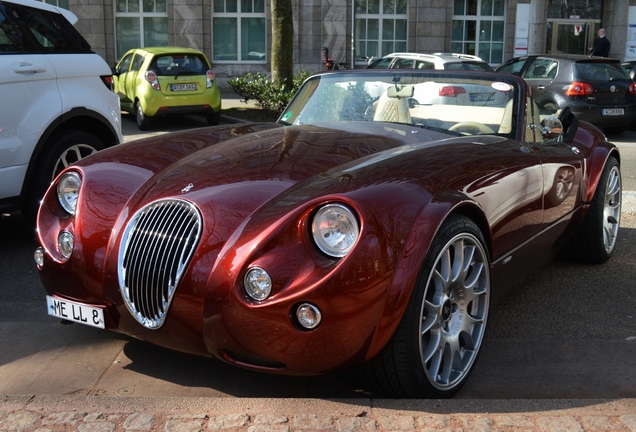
(213, 118)
(64, 148)
(595, 240)
(436, 345)
(143, 121)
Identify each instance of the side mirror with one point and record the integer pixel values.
(551, 127)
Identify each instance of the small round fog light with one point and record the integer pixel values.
(65, 242)
(39, 256)
(308, 316)
(258, 284)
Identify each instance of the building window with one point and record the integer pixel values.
(238, 31)
(478, 29)
(140, 23)
(381, 28)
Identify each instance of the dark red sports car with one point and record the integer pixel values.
(370, 226)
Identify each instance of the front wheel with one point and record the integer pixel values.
(434, 349)
(595, 240)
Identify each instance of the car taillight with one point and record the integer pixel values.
(210, 79)
(151, 77)
(579, 89)
(632, 88)
(451, 91)
(108, 81)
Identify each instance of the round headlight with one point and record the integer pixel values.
(308, 316)
(65, 243)
(335, 230)
(68, 188)
(258, 284)
(38, 256)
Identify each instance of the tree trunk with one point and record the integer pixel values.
(282, 42)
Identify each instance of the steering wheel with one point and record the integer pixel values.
(471, 127)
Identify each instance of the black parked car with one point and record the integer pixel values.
(596, 89)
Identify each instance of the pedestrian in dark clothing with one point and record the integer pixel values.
(602, 46)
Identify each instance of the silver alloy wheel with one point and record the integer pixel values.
(612, 209)
(454, 311)
(72, 155)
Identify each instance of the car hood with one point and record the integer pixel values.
(265, 163)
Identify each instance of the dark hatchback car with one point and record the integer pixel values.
(597, 90)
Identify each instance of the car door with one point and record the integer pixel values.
(561, 165)
(23, 71)
(119, 79)
(132, 77)
(540, 75)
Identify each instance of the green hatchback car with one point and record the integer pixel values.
(162, 81)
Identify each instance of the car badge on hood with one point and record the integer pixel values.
(187, 188)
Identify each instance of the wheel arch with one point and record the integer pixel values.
(597, 162)
(76, 119)
(425, 229)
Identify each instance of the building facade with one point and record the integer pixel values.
(236, 34)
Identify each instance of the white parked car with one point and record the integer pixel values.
(58, 104)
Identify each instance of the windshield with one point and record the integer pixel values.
(451, 102)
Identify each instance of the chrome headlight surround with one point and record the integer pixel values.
(68, 188)
(335, 230)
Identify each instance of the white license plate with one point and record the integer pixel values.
(482, 97)
(76, 312)
(613, 111)
(183, 87)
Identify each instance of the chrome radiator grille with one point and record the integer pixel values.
(156, 248)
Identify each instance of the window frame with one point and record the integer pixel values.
(141, 15)
(239, 16)
(480, 25)
(380, 17)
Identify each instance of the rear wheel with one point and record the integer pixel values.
(143, 121)
(63, 148)
(434, 349)
(595, 240)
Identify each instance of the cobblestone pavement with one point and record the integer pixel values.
(111, 414)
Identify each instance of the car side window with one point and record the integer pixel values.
(513, 67)
(137, 62)
(403, 64)
(9, 37)
(44, 31)
(124, 66)
(540, 68)
(424, 65)
(382, 63)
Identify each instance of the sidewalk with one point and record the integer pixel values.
(111, 414)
